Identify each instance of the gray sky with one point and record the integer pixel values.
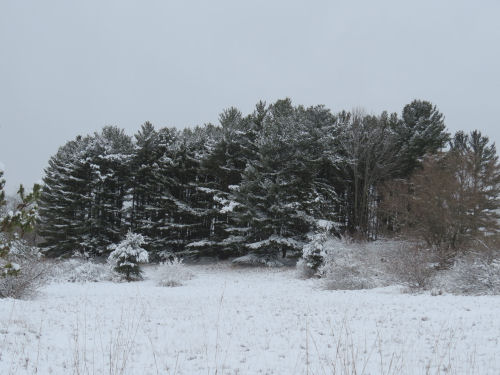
(69, 68)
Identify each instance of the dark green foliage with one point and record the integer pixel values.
(2, 192)
(477, 170)
(85, 187)
(283, 193)
(421, 131)
(369, 157)
(262, 183)
(147, 185)
(14, 226)
(25, 217)
(66, 199)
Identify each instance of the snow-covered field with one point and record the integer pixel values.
(246, 321)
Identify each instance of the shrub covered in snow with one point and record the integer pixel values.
(314, 251)
(127, 256)
(79, 270)
(22, 271)
(471, 274)
(173, 273)
(412, 265)
(349, 265)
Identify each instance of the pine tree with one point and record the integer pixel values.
(477, 170)
(421, 131)
(144, 184)
(3, 239)
(223, 166)
(83, 197)
(127, 255)
(193, 201)
(282, 195)
(108, 158)
(25, 217)
(18, 272)
(2, 191)
(369, 156)
(66, 199)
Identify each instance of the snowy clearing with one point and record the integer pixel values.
(245, 321)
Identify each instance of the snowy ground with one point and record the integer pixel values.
(246, 321)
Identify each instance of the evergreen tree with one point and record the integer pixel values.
(66, 199)
(421, 131)
(15, 225)
(224, 164)
(476, 168)
(281, 196)
(144, 184)
(2, 191)
(25, 217)
(108, 158)
(368, 155)
(82, 200)
(127, 255)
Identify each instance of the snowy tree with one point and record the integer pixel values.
(281, 194)
(24, 218)
(127, 256)
(2, 191)
(477, 170)
(314, 251)
(108, 156)
(421, 131)
(150, 184)
(66, 199)
(84, 193)
(369, 157)
(225, 163)
(20, 271)
(142, 178)
(452, 201)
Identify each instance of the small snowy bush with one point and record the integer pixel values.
(21, 271)
(314, 251)
(347, 266)
(78, 270)
(413, 266)
(173, 273)
(127, 256)
(473, 274)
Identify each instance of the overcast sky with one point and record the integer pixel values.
(69, 68)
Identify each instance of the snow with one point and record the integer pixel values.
(277, 240)
(15, 266)
(201, 243)
(245, 321)
(129, 248)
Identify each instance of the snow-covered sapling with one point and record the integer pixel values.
(313, 252)
(127, 256)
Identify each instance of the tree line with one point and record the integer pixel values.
(265, 182)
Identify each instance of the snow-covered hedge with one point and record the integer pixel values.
(412, 265)
(472, 274)
(173, 273)
(79, 270)
(350, 265)
(345, 264)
